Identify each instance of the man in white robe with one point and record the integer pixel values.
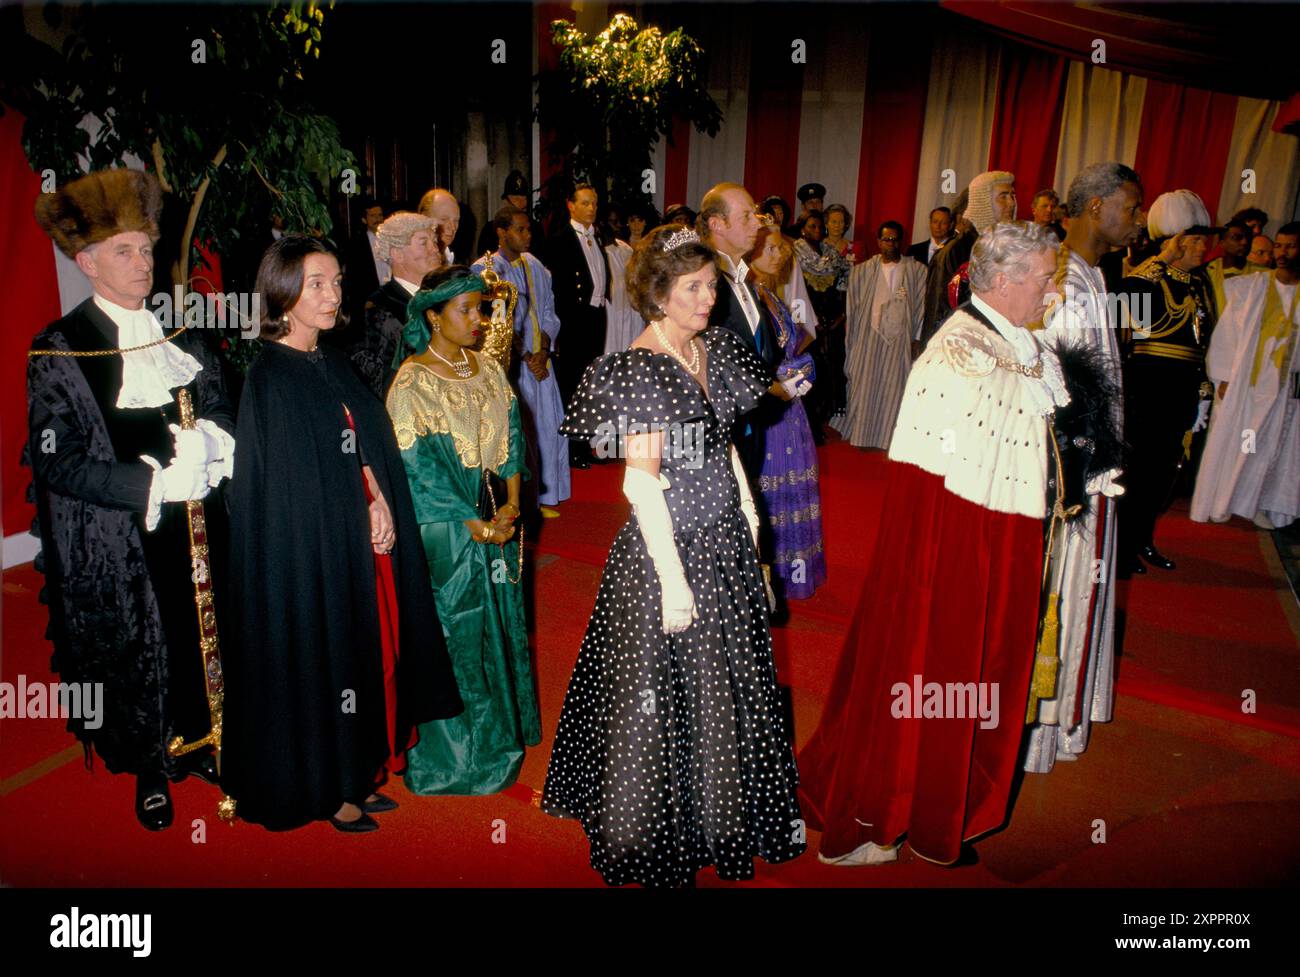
(1105, 203)
(884, 314)
(1251, 464)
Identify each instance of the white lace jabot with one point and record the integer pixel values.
(148, 375)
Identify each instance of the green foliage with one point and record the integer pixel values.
(614, 96)
(211, 92)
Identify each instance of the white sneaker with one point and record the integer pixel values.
(868, 854)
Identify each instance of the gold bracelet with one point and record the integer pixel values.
(487, 532)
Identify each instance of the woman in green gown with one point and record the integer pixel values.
(456, 419)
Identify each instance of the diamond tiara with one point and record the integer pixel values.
(678, 238)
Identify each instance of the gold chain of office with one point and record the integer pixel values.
(105, 352)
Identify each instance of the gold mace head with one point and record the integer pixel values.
(502, 296)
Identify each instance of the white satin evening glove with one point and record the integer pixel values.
(751, 516)
(1104, 483)
(646, 493)
(797, 385)
(1202, 416)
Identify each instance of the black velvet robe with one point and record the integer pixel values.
(121, 601)
(304, 712)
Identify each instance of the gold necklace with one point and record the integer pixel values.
(693, 367)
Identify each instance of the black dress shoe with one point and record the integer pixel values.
(206, 770)
(380, 805)
(359, 826)
(1156, 558)
(1128, 566)
(153, 802)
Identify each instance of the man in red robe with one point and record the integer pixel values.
(924, 719)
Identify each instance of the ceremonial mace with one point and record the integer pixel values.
(208, 649)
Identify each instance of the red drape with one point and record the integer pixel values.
(1027, 121)
(677, 157)
(1184, 143)
(772, 130)
(965, 611)
(893, 119)
(31, 303)
(548, 59)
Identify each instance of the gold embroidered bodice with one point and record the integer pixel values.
(474, 412)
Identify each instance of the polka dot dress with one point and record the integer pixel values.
(672, 750)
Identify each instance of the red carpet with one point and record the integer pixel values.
(1182, 770)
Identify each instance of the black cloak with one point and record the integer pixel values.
(304, 710)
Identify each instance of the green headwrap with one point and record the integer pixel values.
(416, 334)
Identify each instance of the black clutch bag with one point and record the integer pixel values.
(492, 494)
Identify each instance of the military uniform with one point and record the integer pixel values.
(1164, 384)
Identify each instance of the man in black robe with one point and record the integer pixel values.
(112, 471)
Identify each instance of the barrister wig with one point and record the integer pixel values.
(398, 229)
(99, 206)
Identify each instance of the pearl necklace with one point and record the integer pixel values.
(693, 367)
(461, 369)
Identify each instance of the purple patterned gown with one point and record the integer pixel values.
(789, 477)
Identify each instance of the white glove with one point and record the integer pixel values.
(178, 482)
(207, 445)
(646, 493)
(746, 497)
(1105, 484)
(797, 385)
(1202, 416)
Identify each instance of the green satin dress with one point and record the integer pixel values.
(447, 430)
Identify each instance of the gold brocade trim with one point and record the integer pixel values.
(786, 557)
(770, 483)
(474, 412)
(806, 514)
(1171, 351)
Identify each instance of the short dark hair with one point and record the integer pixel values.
(578, 187)
(1290, 228)
(506, 216)
(1251, 214)
(941, 210)
(1050, 194)
(447, 273)
(280, 280)
(1240, 225)
(652, 270)
(891, 224)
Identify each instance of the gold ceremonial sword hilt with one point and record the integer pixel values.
(208, 646)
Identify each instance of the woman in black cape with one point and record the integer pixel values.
(338, 654)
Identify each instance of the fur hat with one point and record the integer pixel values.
(979, 207)
(98, 206)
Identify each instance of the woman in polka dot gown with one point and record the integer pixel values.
(672, 748)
